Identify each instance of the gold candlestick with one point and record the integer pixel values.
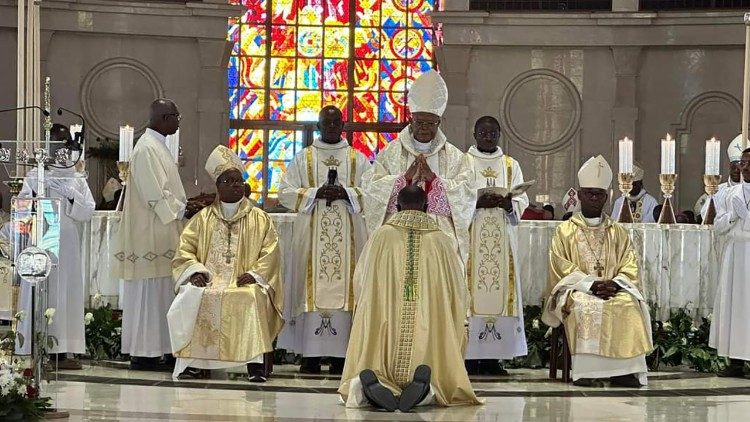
(15, 186)
(626, 185)
(711, 186)
(124, 168)
(667, 188)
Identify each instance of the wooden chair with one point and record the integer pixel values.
(556, 353)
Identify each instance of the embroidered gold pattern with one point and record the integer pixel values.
(489, 173)
(309, 297)
(331, 237)
(408, 309)
(332, 162)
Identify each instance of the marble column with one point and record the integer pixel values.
(453, 62)
(625, 108)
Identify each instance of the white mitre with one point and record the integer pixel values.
(637, 172)
(428, 94)
(221, 160)
(110, 189)
(595, 173)
(734, 151)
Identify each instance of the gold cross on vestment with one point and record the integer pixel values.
(599, 268)
(228, 255)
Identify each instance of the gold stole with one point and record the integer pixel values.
(328, 284)
(494, 259)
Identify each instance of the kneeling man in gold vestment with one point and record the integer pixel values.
(226, 271)
(408, 327)
(593, 289)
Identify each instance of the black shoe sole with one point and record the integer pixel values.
(376, 393)
(415, 392)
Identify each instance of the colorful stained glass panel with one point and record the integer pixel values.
(366, 43)
(281, 105)
(392, 75)
(283, 11)
(392, 107)
(309, 73)
(416, 68)
(251, 103)
(282, 144)
(253, 72)
(394, 42)
(250, 144)
(393, 13)
(366, 75)
(336, 42)
(233, 35)
(255, 10)
(282, 73)
(308, 105)
(275, 170)
(365, 107)
(420, 44)
(310, 41)
(420, 14)
(310, 12)
(366, 143)
(335, 74)
(253, 41)
(283, 41)
(337, 12)
(233, 72)
(254, 175)
(367, 13)
(338, 99)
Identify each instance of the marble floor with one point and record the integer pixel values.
(104, 393)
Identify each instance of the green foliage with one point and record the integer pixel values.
(537, 341)
(103, 334)
(680, 341)
(107, 149)
(19, 398)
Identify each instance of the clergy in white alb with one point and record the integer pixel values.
(729, 333)
(66, 287)
(323, 186)
(227, 274)
(593, 289)
(148, 235)
(423, 156)
(496, 329)
(734, 154)
(642, 204)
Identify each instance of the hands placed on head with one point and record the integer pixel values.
(199, 280)
(605, 289)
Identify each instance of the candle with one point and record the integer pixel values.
(667, 155)
(713, 155)
(173, 145)
(126, 142)
(626, 156)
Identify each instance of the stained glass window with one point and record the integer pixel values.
(291, 57)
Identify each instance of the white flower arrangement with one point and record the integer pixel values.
(49, 314)
(535, 324)
(11, 382)
(88, 318)
(20, 316)
(667, 326)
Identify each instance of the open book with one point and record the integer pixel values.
(514, 191)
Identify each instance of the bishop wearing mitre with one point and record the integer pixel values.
(228, 308)
(593, 289)
(322, 185)
(421, 155)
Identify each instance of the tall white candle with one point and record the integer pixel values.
(126, 142)
(626, 156)
(173, 145)
(667, 155)
(713, 156)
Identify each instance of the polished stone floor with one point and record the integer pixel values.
(102, 393)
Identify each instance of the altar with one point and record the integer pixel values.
(679, 263)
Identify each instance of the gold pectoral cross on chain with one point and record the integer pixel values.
(599, 268)
(228, 255)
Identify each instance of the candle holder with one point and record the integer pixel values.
(626, 185)
(124, 168)
(711, 186)
(667, 188)
(15, 186)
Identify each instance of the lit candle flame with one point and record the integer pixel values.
(669, 137)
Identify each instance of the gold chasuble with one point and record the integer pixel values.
(231, 324)
(410, 310)
(580, 254)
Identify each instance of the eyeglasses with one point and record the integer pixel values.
(742, 163)
(231, 182)
(428, 125)
(175, 115)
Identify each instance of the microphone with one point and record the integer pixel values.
(45, 112)
(79, 136)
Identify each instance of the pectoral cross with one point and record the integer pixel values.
(229, 254)
(599, 268)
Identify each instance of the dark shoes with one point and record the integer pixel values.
(337, 366)
(256, 373)
(628, 381)
(736, 369)
(491, 367)
(415, 392)
(151, 364)
(310, 366)
(376, 393)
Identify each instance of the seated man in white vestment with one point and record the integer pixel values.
(729, 332)
(149, 231)
(322, 185)
(66, 287)
(593, 290)
(496, 328)
(228, 308)
(641, 202)
(421, 155)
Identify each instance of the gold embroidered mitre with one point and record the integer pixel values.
(221, 160)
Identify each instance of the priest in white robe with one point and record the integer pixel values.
(496, 329)
(323, 186)
(642, 204)
(148, 236)
(593, 290)
(66, 286)
(734, 154)
(227, 273)
(729, 333)
(422, 155)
